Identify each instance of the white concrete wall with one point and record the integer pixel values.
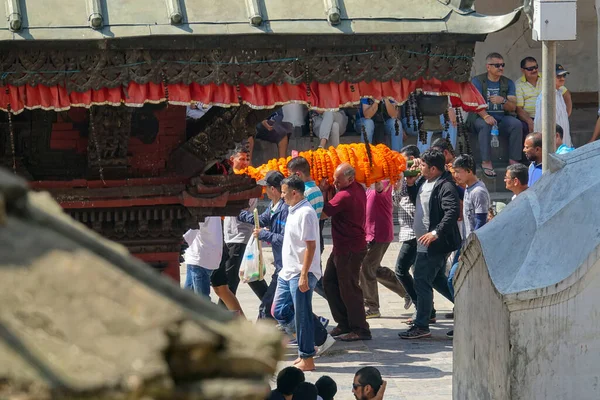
(481, 357)
(556, 349)
(515, 43)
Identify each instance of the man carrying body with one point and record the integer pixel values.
(533, 152)
(380, 233)
(437, 210)
(406, 234)
(301, 271)
(237, 233)
(347, 210)
(300, 167)
(272, 222)
(500, 93)
(516, 179)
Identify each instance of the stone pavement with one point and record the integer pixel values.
(420, 369)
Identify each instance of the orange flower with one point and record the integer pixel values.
(387, 164)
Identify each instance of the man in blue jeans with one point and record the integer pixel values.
(300, 272)
(272, 222)
(437, 207)
(367, 110)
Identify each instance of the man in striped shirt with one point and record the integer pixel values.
(299, 166)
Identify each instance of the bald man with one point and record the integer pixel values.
(347, 210)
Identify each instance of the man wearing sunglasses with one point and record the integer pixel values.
(529, 87)
(500, 93)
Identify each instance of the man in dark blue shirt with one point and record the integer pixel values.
(533, 152)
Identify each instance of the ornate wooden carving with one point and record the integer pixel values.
(218, 132)
(110, 128)
(95, 69)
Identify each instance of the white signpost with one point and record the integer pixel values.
(553, 20)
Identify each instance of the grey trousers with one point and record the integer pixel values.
(508, 126)
(372, 272)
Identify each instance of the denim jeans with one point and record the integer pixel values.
(451, 277)
(390, 129)
(198, 280)
(266, 301)
(452, 134)
(406, 259)
(299, 317)
(507, 126)
(429, 274)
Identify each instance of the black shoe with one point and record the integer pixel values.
(415, 333)
(450, 334)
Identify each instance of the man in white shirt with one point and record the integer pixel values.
(300, 272)
(203, 254)
(562, 113)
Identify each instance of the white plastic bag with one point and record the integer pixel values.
(252, 268)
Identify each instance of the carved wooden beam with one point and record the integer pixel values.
(215, 135)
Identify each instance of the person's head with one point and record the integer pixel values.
(367, 382)
(516, 178)
(443, 145)
(272, 184)
(327, 387)
(410, 152)
(495, 65)
(560, 135)
(240, 157)
(305, 391)
(288, 380)
(561, 76)
(464, 170)
(434, 164)
(299, 166)
(292, 190)
(533, 147)
(343, 176)
(529, 67)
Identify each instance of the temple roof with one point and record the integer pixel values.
(112, 19)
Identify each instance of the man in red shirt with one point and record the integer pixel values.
(347, 210)
(380, 233)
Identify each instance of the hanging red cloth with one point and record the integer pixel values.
(321, 96)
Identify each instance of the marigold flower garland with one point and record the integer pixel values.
(387, 164)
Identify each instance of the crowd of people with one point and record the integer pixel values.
(291, 385)
(438, 208)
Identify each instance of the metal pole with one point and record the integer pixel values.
(548, 101)
(598, 43)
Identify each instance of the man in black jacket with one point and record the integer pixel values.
(437, 209)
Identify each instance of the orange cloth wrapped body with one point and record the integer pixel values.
(387, 164)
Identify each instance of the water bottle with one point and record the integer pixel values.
(495, 133)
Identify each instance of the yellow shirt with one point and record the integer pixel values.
(527, 94)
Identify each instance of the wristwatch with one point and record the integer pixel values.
(434, 233)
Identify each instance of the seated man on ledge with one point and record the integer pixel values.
(500, 93)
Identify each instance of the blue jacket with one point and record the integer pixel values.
(276, 223)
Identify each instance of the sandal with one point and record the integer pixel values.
(489, 172)
(354, 337)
